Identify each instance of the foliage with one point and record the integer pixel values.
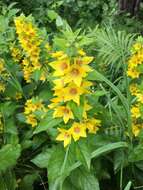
(70, 99)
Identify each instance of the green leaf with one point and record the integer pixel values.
(77, 110)
(128, 186)
(52, 14)
(59, 21)
(101, 151)
(83, 153)
(107, 148)
(9, 180)
(42, 159)
(59, 166)
(46, 124)
(84, 180)
(136, 154)
(9, 155)
(95, 75)
(27, 181)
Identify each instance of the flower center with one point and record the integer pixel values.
(66, 111)
(79, 62)
(74, 72)
(66, 135)
(73, 91)
(77, 130)
(64, 66)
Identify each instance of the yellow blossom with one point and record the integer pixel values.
(18, 95)
(75, 74)
(30, 119)
(81, 52)
(137, 46)
(78, 130)
(140, 98)
(133, 73)
(83, 60)
(63, 111)
(65, 136)
(93, 125)
(135, 111)
(86, 108)
(2, 87)
(60, 66)
(57, 54)
(72, 92)
(134, 89)
(136, 128)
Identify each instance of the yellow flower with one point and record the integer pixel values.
(59, 84)
(86, 108)
(137, 46)
(57, 54)
(136, 128)
(2, 87)
(63, 111)
(133, 89)
(16, 54)
(60, 66)
(1, 122)
(140, 98)
(30, 119)
(55, 102)
(81, 52)
(72, 92)
(75, 74)
(93, 125)
(133, 73)
(83, 60)
(30, 42)
(65, 136)
(135, 111)
(18, 96)
(1, 66)
(78, 130)
(48, 47)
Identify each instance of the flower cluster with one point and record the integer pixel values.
(71, 88)
(135, 61)
(30, 42)
(3, 75)
(135, 64)
(34, 110)
(1, 122)
(16, 54)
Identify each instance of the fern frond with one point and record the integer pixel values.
(113, 47)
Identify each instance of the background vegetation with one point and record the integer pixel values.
(111, 159)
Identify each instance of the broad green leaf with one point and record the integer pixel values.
(136, 154)
(59, 21)
(83, 153)
(27, 181)
(42, 159)
(77, 110)
(84, 180)
(128, 186)
(101, 151)
(59, 166)
(108, 148)
(8, 108)
(9, 155)
(52, 14)
(2, 183)
(9, 180)
(44, 125)
(47, 122)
